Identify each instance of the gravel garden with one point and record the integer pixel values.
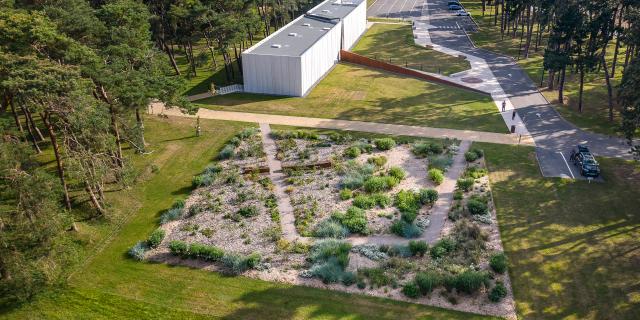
(360, 207)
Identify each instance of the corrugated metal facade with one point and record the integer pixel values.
(283, 71)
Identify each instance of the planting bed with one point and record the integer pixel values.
(371, 189)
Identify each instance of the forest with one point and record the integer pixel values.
(76, 78)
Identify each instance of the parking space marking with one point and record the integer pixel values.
(567, 163)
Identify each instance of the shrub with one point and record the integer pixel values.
(397, 173)
(379, 184)
(498, 262)
(352, 181)
(171, 215)
(377, 161)
(339, 138)
(436, 175)
(458, 195)
(477, 207)
(377, 277)
(427, 281)
(330, 228)
(470, 156)
(179, 248)
(364, 146)
(382, 200)
(441, 162)
(248, 211)
(428, 196)
(442, 247)
(328, 272)
(355, 220)
(364, 202)
(206, 252)
(384, 143)
(411, 290)
(471, 281)
(346, 194)
(479, 152)
(235, 263)
(475, 172)
(348, 278)
(156, 237)
(498, 292)
(405, 229)
(423, 148)
(465, 184)
(227, 152)
(138, 250)
(202, 180)
(324, 250)
(352, 152)
(418, 248)
(408, 201)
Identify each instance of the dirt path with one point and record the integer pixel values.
(287, 219)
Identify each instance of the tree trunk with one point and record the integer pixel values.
(530, 20)
(609, 87)
(495, 16)
(56, 151)
(617, 48)
(16, 118)
(172, 58)
(141, 127)
(27, 113)
(581, 88)
(563, 74)
(34, 140)
(552, 77)
(94, 200)
(114, 126)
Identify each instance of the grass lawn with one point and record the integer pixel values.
(355, 93)
(595, 108)
(394, 43)
(573, 246)
(112, 286)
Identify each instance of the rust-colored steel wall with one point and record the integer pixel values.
(351, 57)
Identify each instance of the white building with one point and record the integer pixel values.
(292, 60)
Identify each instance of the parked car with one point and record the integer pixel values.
(461, 12)
(583, 159)
(455, 7)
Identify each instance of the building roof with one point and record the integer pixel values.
(299, 35)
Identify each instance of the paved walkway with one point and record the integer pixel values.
(200, 96)
(554, 137)
(439, 212)
(287, 218)
(348, 125)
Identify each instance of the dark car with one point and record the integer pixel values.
(455, 7)
(457, 3)
(583, 159)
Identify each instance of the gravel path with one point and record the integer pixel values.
(439, 213)
(287, 219)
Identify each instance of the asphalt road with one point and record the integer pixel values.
(554, 136)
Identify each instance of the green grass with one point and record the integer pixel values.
(355, 93)
(394, 43)
(112, 286)
(595, 106)
(573, 246)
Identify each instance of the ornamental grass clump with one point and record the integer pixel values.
(428, 196)
(330, 258)
(138, 250)
(364, 201)
(398, 173)
(436, 175)
(330, 228)
(427, 281)
(384, 143)
(405, 229)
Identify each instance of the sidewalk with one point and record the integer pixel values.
(480, 70)
(348, 125)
